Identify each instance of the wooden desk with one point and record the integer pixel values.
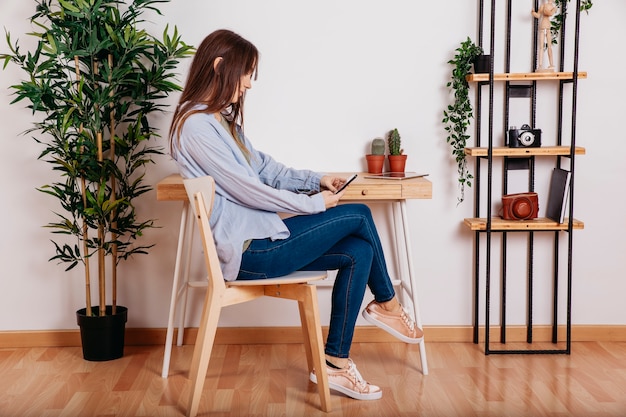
(365, 190)
(171, 188)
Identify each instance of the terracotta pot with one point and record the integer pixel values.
(397, 163)
(375, 163)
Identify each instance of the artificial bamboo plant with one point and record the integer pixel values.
(95, 78)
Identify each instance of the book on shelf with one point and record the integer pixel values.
(558, 194)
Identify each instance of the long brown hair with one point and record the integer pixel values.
(214, 85)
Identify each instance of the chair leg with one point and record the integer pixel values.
(306, 295)
(202, 350)
(307, 339)
(315, 340)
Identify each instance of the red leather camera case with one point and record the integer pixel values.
(520, 206)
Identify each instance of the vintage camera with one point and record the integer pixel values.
(524, 137)
(520, 206)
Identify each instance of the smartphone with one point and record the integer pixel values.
(345, 184)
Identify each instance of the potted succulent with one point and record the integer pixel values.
(94, 78)
(396, 157)
(456, 117)
(376, 159)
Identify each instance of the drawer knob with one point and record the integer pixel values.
(363, 192)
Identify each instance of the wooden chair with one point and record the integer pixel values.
(221, 293)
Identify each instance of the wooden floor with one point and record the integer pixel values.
(271, 380)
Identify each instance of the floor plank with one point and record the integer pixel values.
(272, 380)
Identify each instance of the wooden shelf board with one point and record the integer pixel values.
(539, 224)
(526, 76)
(541, 151)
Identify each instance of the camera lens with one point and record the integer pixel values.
(526, 138)
(522, 209)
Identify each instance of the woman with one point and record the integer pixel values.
(206, 138)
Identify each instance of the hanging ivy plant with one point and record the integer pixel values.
(456, 117)
(557, 20)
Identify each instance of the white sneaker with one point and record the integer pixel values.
(349, 381)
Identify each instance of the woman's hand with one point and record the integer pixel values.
(330, 185)
(328, 182)
(330, 198)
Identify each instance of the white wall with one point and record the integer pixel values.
(334, 75)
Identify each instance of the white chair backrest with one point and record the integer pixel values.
(202, 191)
(206, 185)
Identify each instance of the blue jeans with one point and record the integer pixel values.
(343, 238)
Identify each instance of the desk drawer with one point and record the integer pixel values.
(364, 191)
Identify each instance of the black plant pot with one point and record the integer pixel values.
(102, 336)
(482, 64)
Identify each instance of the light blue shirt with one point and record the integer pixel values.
(248, 195)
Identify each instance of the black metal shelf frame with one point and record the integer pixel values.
(530, 89)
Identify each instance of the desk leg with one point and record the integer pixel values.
(403, 240)
(175, 289)
(183, 291)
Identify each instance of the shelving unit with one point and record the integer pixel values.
(486, 222)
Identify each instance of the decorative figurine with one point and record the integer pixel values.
(544, 13)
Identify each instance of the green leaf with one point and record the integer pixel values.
(68, 6)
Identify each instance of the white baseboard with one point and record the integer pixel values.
(265, 335)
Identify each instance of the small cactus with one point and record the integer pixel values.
(378, 146)
(393, 139)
